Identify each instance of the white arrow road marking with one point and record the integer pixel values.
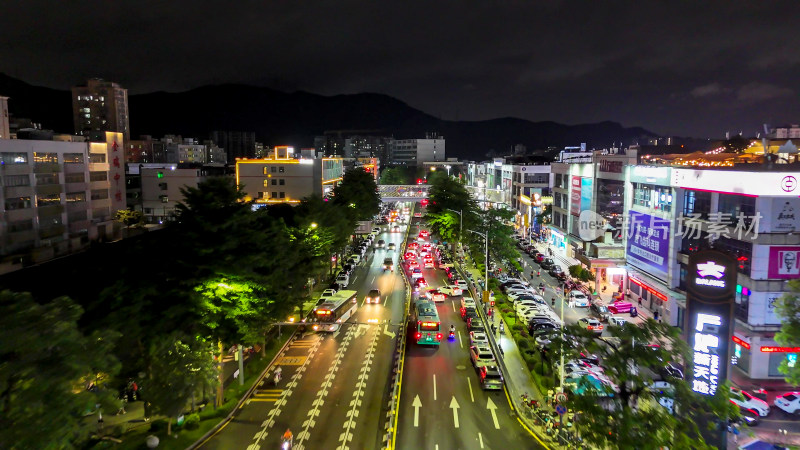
(454, 406)
(434, 386)
(386, 331)
(416, 404)
(469, 383)
(493, 409)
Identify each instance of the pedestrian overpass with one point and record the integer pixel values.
(402, 192)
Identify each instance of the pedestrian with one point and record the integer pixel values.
(494, 329)
(550, 394)
(655, 315)
(135, 389)
(640, 301)
(553, 302)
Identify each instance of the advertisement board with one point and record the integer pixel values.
(784, 262)
(710, 290)
(575, 196)
(648, 243)
(785, 215)
(586, 194)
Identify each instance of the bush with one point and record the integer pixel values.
(118, 430)
(517, 327)
(192, 421)
(524, 344)
(158, 425)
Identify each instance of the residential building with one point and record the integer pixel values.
(282, 178)
(355, 144)
(57, 197)
(786, 132)
(415, 152)
(99, 106)
(237, 144)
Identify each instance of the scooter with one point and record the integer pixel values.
(286, 443)
(452, 334)
(502, 328)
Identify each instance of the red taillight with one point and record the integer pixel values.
(419, 335)
(439, 337)
(492, 302)
(599, 327)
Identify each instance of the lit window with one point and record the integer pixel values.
(266, 183)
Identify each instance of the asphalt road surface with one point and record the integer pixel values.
(442, 405)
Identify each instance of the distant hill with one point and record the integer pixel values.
(280, 118)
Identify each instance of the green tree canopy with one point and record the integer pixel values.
(789, 311)
(46, 362)
(359, 193)
(129, 218)
(448, 199)
(396, 175)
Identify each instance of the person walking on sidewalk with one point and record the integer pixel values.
(640, 301)
(655, 315)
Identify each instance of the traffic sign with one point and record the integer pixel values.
(561, 397)
(560, 409)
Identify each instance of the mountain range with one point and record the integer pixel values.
(280, 118)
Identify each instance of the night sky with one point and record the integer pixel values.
(674, 67)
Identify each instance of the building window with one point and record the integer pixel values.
(162, 186)
(274, 182)
(274, 169)
(283, 194)
(99, 194)
(282, 182)
(265, 171)
(98, 176)
(733, 205)
(266, 182)
(642, 194)
(273, 195)
(46, 178)
(280, 169)
(13, 158)
(74, 177)
(20, 225)
(164, 198)
(73, 197)
(45, 158)
(741, 250)
(16, 180)
(18, 203)
(697, 202)
(97, 158)
(48, 200)
(683, 273)
(73, 158)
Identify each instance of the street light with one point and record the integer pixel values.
(313, 225)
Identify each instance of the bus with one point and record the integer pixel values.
(336, 310)
(426, 322)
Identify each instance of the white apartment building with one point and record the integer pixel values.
(418, 151)
(57, 197)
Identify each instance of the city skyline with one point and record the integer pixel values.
(695, 71)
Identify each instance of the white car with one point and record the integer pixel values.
(453, 291)
(789, 402)
(462, 284)
(617, 321)
(343, 279)
(478, 338)
(416, 273)
(514, 295)
(529, 303)
(356, 258)
(746, 400)
(579, 299)
(376, 230)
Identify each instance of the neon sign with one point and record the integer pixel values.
(706, 354)
(780, 349)
(710, 269)
(741, 342)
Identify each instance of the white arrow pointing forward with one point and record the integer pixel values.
(454, 406)
(416, 404)
(493, 409)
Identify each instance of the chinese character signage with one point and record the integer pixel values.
(784, 262)
(648, 243)
(711, 288)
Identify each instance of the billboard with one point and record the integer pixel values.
(784, 262)
(648, 243)
(586, 194)
(575, 196)
(766, 184)
(711, 287)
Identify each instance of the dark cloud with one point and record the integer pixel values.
(686, 68)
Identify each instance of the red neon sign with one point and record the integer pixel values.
(741, 342)
(649, 289)
(780, 349)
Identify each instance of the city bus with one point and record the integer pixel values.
(336, 310)
(425, 320)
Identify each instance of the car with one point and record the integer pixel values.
(380, 244)
(413, 246)
(374, 296)
(746, 400)
(481, 356)
(467, 302)
(617, 321)
(428, 264)
(600, 311)
(416, 273)
(490, 377)
(347, 268)
(547, 263)
(413, 265)
(396, 229)
(424, 234)
(591, 324)
(519, 289)
(478, 338)
(391, 246)
(462, 284)
(436, 295)
(420, 283)
(578, 299)
(515, 296)
(343, 279)
(789, 402)
(388, 264)
(376, 230)
(556, 271)
(356, 258)
(453, 291)
(468, 314)
(410, 256)
(539, 258)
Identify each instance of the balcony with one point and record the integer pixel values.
(99, 184)
(18, 191)
(15, 169)
(46, 168)
(19, 214)
(77, 206)
(50, 210)
(49, 189)
(76, 187)
(21, 236)
(52, 231)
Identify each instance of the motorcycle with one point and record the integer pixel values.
(286, 444)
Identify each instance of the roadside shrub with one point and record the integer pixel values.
(158, 425)
(524, 344)
(192, 421)
(517, 327)
(118, 430)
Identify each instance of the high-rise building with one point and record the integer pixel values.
(237, 144)
(99, 106)
(417, 151)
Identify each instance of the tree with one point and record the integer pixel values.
(395, 176)
(180, 365)
(622, 412)
(359, 193)
(788, 309)
(129, 218)
(736, 144)
(496, 222)
(44, 359)
(446, 196)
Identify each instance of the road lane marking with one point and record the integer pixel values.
(469, 383)
(416, 404)
(480, 439)
(291, 361)
(493, 409)
(386, 331)
(347, 436)
(460, 343)
(453, 304)
(454, 406)
(434, 386)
